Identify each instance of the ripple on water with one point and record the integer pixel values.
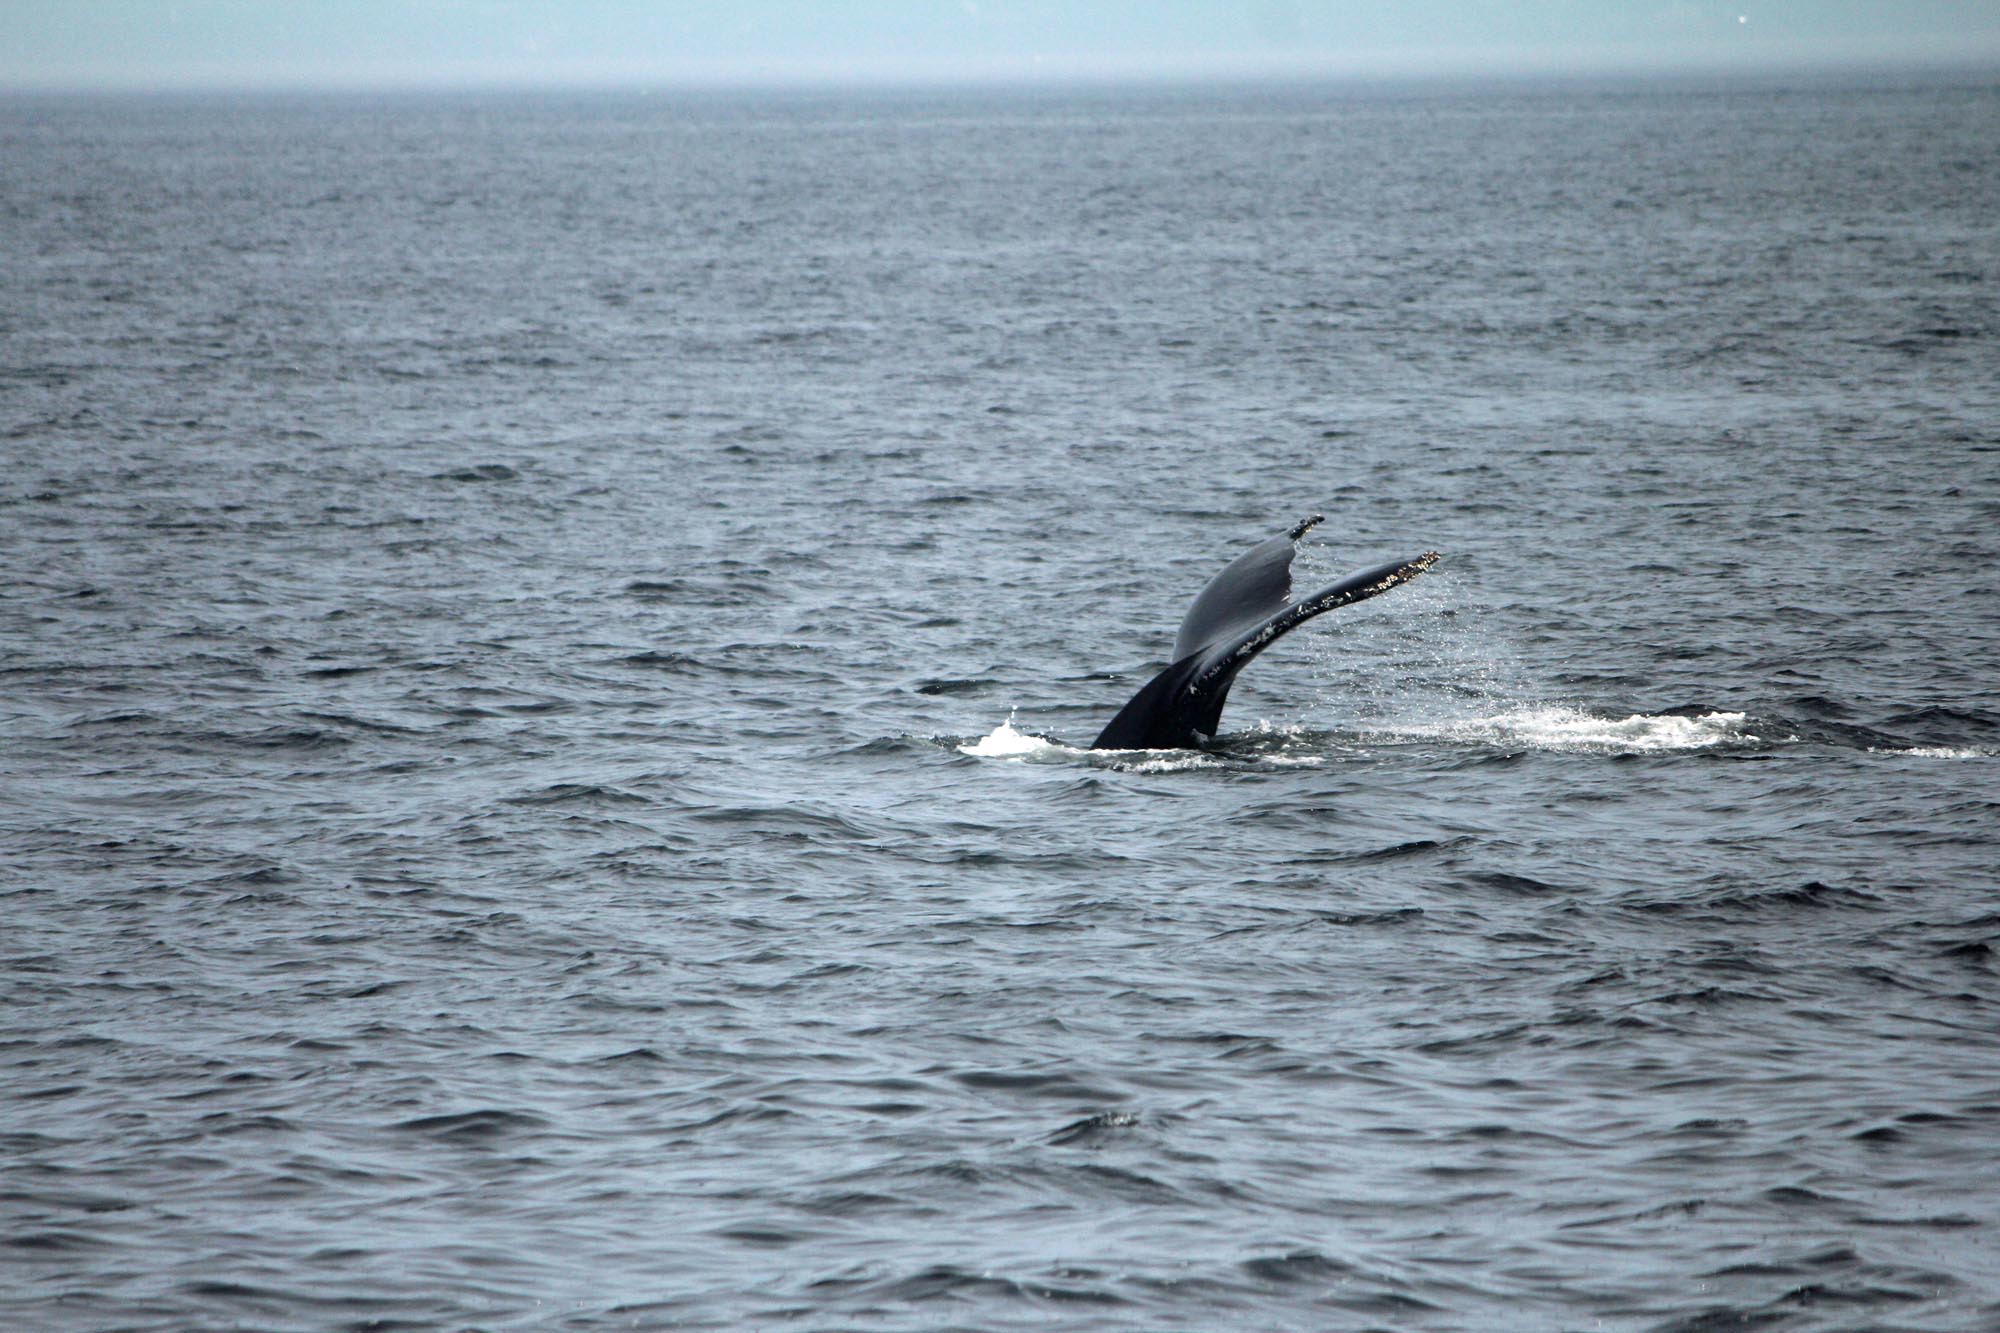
(506, 818)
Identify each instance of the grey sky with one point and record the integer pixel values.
(350, 43)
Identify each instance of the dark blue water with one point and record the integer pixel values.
(542, 642)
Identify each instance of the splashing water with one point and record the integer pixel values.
(1003, 742)
(1574, 731)
(1007, 742)
(1424, 654)
(1428, 668)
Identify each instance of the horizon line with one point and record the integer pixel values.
(1491, 66)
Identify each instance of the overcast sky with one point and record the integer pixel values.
(453, 43)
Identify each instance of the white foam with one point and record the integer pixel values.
(1003, 742)
(1154, 761)
(1555, 728)
(1571, 730)
(1935, 752)
(1008, 742)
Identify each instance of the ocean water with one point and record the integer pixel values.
(545, 640)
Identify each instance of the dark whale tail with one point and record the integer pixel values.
(1243, 611)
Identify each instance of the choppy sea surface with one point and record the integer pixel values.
(545, 642)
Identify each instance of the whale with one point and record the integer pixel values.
(1243, 610)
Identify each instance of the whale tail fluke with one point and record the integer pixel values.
(1243, 610)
